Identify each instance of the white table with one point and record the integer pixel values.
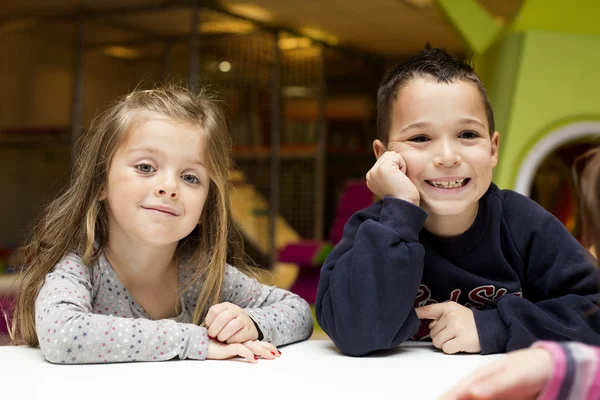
(309, 370)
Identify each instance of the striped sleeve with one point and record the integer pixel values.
(576, 371)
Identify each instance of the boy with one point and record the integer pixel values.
(485, 270)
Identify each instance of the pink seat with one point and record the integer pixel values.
(7, 304)
(309, 255)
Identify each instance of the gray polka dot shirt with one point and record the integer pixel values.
(86, 315)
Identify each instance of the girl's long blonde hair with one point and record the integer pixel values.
(77, 221)
(589, 194)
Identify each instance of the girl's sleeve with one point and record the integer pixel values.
(575, 373)
(69, 332)
(281, 316)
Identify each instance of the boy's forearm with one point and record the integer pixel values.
(369, 283)
(516, 323)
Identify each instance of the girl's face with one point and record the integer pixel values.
(157, 184)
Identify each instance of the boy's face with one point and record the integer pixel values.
(442, 133)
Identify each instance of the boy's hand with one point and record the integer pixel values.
(388, 178)
(249, 350)
(229, 323)
(453, 328)
(520, 375)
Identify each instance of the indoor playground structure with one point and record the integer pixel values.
(299, 260)
(540, 70)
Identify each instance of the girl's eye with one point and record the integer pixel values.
(469, 135)
(146, 168)
(191, 179)
(419, 139)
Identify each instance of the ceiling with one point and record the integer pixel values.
(389, 28)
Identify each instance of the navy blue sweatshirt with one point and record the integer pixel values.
(518, 268)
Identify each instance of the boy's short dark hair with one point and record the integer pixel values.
(434, 63)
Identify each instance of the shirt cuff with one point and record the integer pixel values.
(493, 333)
(403, 217)
(260, 321)
(197, 344)
(559, 369)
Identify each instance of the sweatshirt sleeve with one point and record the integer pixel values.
(70, 333)
(575, 371)
(370, 280)
(560, 293)
(281, 316)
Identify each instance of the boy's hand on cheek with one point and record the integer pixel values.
(453, 328)
(229, 323)
(388, 178)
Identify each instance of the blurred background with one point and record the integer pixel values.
(299, 81)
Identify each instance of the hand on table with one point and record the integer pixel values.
(453, 327)
(249, 350)
(229, 323)
(520, 375)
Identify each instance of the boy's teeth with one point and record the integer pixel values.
(448, 184)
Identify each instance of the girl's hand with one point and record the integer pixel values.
(520, 375)
(249, 350)
(388, 178)
(229, 323)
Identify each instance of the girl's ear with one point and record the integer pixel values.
(102, 195)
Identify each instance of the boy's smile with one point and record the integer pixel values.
(441, 131)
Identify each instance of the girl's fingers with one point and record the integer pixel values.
(213, 312)
(219, 322)
(270, 347)
(260, 350)
(232, 328)
(238, 349)
(241, 336)
(463, 388)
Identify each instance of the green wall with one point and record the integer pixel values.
(557, 82)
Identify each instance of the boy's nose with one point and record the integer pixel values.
(447, 156)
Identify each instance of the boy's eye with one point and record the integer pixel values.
(147, 168)
(419, 139)
(469, 135)
(191, 179)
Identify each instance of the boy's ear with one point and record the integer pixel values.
(378, 148)
(495, 146)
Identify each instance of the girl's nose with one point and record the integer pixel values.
(173, 195)
(167, 187)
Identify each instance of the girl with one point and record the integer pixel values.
(132, 262)
(548, 370)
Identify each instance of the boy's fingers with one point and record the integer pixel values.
(432, 311)
(442, 337)
(439, 326)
